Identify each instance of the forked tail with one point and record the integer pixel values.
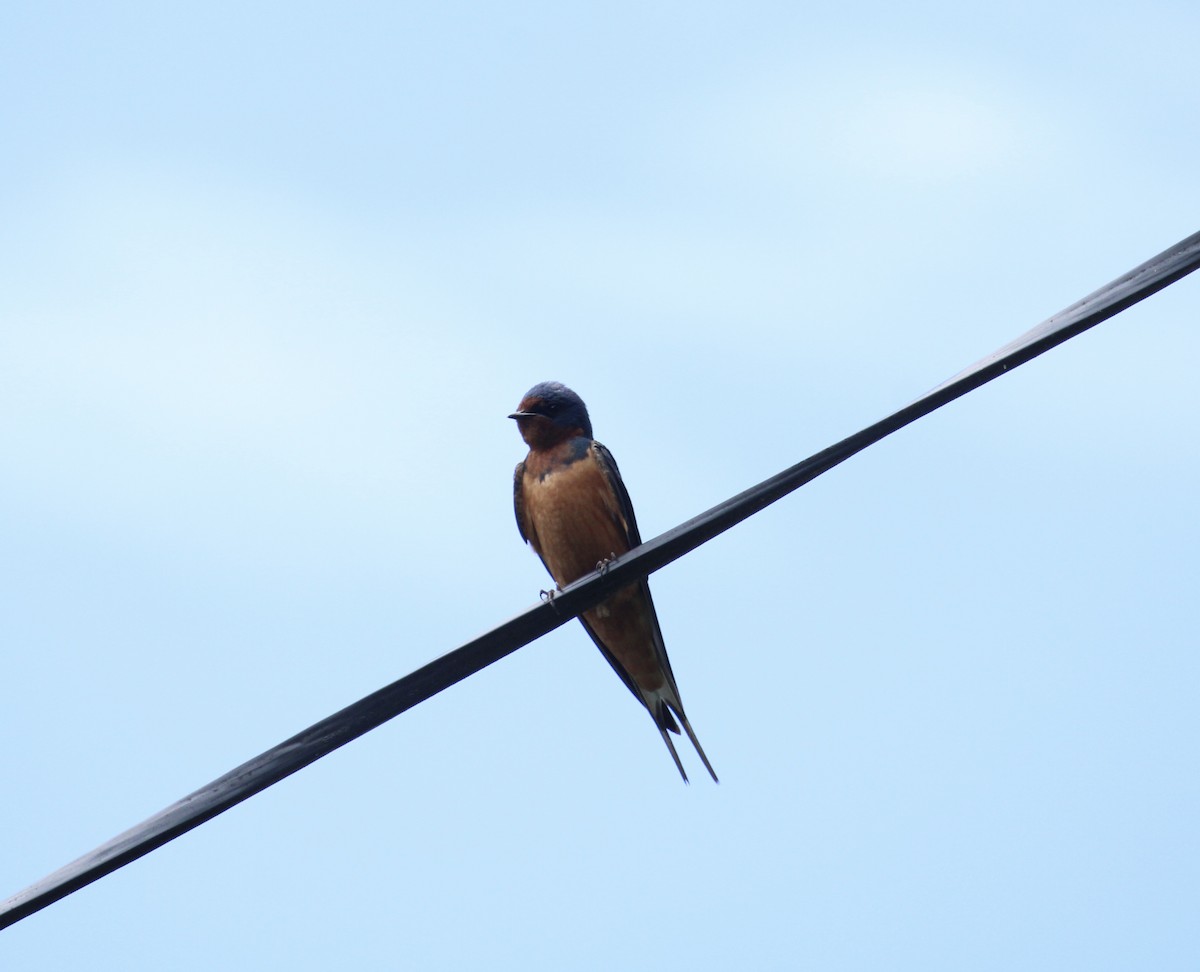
(665, 720)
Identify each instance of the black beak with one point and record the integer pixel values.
(517, 415)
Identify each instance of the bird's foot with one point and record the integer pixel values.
(603, 565)
(548, 597)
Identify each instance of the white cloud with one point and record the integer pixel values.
(901, 122)
(168, 329)
(924, 132)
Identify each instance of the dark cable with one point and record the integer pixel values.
(368, 713)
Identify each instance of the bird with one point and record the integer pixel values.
(574, 511)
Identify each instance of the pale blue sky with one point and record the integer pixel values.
(272, 275)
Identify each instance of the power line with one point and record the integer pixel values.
(372, 711)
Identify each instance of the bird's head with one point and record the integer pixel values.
(551, 413)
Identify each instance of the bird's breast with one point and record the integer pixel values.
(575, 515)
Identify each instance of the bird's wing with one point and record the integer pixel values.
(524, 527)
(608, 466)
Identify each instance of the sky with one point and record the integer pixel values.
(271, 278)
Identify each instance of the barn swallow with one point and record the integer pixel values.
(573, 509)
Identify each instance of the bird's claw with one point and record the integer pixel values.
(603, 565)
(548, 597)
